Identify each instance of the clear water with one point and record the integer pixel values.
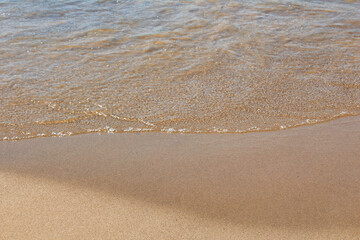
(72, 67)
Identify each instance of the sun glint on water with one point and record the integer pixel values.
(70, 67)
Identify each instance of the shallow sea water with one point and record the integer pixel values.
(72, 67)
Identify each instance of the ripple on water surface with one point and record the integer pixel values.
(71, 67)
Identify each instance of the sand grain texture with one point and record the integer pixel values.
(301, 183)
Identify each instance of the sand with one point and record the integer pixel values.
(301, 183)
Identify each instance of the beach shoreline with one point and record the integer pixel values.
(300, 183)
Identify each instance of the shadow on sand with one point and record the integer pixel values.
(304, 177)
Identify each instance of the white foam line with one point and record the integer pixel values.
(129, 129)
(132, 120)
(220, 130)
(147, 123)
(106, 129)
(168, 130)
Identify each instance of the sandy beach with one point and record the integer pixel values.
(180, 120)
(301, 183)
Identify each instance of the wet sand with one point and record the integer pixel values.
(301, 183)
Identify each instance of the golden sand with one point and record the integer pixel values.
(301, 183)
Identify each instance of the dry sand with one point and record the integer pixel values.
(301, 183)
